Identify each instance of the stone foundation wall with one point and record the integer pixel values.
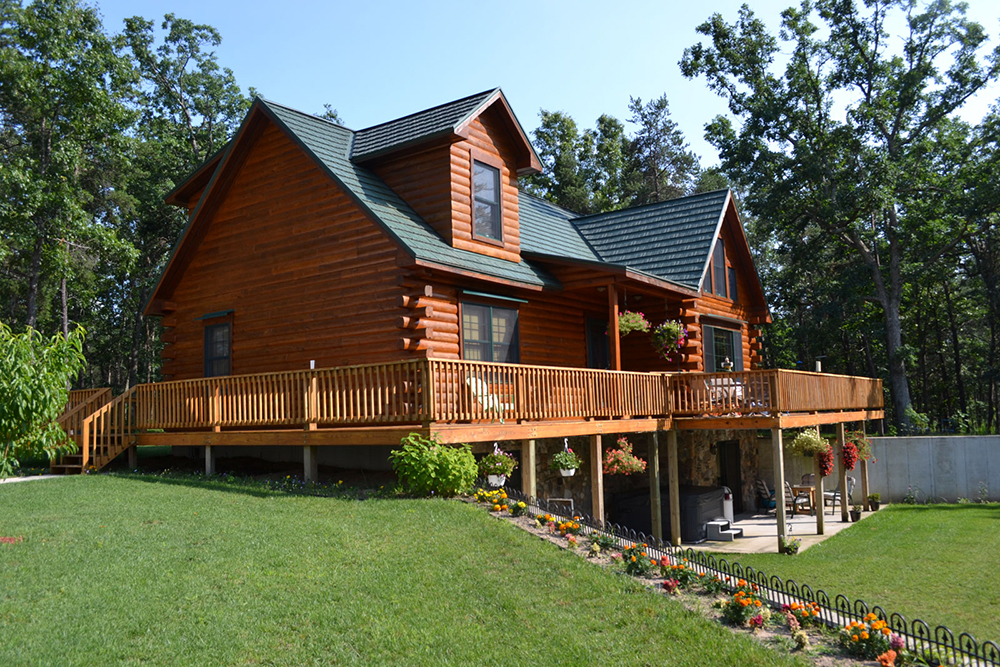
(698, 463)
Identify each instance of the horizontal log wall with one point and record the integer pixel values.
(307, 275)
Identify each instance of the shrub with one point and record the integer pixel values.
(34, 377)
(426, 467)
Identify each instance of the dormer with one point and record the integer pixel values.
(457, 166)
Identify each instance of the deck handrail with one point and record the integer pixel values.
(87, 402)
(109, 429)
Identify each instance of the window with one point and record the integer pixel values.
(489, 333)
(719, 262)
(732, 283)
(720, 344)
(486, 204)
(218, 359)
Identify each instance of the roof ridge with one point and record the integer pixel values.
(305, 113)
(436, 106)
(646, 206)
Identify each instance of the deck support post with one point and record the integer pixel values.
(310, 462)
(597, 479)
(778, 451)
(841, 441)
(529, 481)
(614, 339)
(655, 506)
(133, 457)
(673, 484)
(818, 495)
(209, 460)
(864, 477)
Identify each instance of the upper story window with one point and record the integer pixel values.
(719, 266)
(489, 333)
(486, 204)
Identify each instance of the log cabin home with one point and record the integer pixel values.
(335, 290)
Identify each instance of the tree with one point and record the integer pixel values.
(34, 381)
(561, 181)
(834, 149)
(659, 153)
(62, 115)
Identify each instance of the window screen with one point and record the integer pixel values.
(486, 183)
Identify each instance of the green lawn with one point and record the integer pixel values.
(130, 570)
(938, 563)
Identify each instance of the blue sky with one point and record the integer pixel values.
(374, 61)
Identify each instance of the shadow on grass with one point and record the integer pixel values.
(253, 488)
(950, 507)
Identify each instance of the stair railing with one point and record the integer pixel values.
(109, 430)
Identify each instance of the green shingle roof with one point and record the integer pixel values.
(547, 229)
(671, 239)
(331, 144)
(416, 127)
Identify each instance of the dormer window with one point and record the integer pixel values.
(486, 210)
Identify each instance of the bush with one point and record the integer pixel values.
(426, 467)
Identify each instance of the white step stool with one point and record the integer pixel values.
(721, 530)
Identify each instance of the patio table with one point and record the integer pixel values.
(805, 488)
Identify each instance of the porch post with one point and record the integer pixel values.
(597, 479)
(818, 494)
(209, 461)
(529, 483)
(614, 340)
(133, 457)
(778, 451)
(841, 441)
(673, 489)
(310, 462)
(864, 476)
(655, 508)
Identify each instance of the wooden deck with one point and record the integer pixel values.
(456, 401)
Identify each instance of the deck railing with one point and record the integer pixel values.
(80, 396)
(81, 404)
(479, 391)
(771, 392)
(450, 391)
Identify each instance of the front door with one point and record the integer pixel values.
(598, 352)
(729, 471)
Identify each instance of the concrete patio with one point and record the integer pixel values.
(760, 533)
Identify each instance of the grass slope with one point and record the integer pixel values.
(938, 563)
(132, 570)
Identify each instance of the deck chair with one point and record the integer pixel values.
(809, 479)
(795, 503)
(491, 403)
(832, 498)
(765, 497)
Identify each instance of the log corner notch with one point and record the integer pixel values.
(430, 327)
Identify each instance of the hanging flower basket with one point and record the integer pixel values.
(496, 466)
(668, 338)
(808, 443)
(825, 460)
(496, 480)
(850, 455)
(566, 461)
(629, 322)
(862, 444)
(622, 461)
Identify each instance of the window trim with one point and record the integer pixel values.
(494, 162)
(708, 342)
(210, 324)
(516, 345)
(720, 249)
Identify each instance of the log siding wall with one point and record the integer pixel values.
(306, 274)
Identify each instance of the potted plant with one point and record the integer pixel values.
(622, 461)
(566, 461)
(874, 500)
(629, 322)
(809, 443)
(856, 513)
(496, 465)
(668, 338)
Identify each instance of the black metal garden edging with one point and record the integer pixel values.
(938, 644)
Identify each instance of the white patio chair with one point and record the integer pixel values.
(832, 498)
(491, 403)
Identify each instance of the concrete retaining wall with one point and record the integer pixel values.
(943, 468)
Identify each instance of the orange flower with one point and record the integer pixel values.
(757, 603)
(854, 637)
(887, 659)
(864, 635)
(886, 631)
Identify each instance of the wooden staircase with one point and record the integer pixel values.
(101, 427)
